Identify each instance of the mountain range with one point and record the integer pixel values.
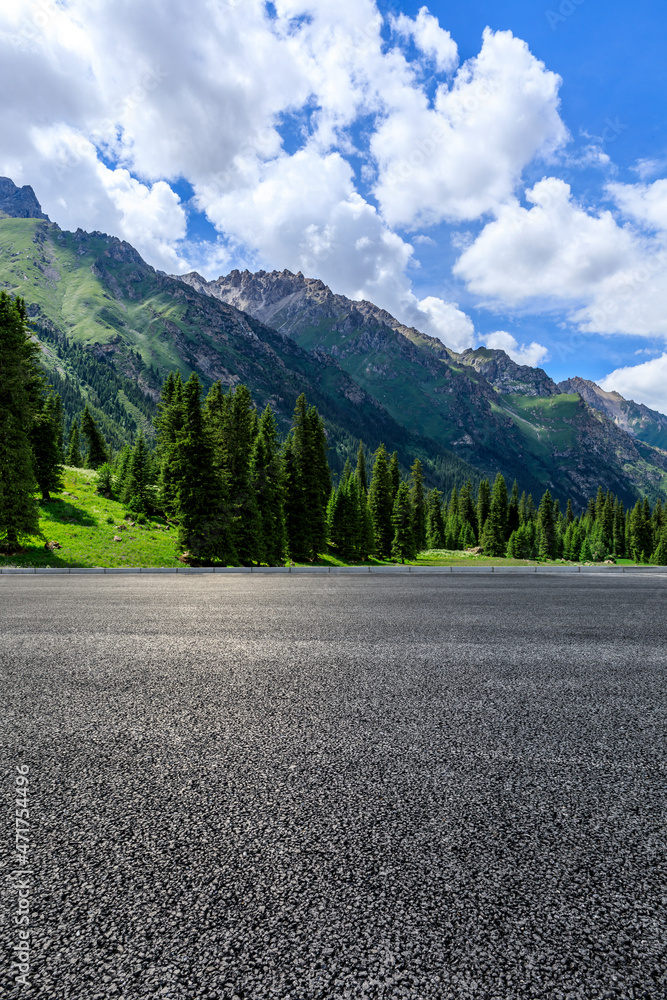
(111, 327)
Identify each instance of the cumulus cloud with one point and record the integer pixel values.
(646, 383)
(644, 203)
(440, 319)
(557, 252)
(531, 354)
(464, 156)
(429, 37)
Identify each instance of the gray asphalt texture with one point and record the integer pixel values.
(332, 787)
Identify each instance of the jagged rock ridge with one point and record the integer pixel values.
(19, 202)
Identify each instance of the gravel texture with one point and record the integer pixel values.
(337, 787)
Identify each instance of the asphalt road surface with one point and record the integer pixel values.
(336, 787)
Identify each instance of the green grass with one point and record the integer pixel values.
(85, 523)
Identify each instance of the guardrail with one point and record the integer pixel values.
(333, 570)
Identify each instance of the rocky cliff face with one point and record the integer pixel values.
(636, 419)
(19, 202)
(507, 377)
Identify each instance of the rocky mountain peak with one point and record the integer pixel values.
(506, 376)
(19, 202)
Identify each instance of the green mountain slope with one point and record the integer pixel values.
(474, 403)
(112, 327)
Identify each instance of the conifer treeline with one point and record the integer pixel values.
(239, 496)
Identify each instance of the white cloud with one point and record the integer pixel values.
(527, 354)
(464, 156)
(646, 383)
(646, 168)
(440, 319)
(553, 250)
(429, 37)
(644, 203)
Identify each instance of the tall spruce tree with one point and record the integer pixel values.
(418, 503)
(467, 512)
(136, 494)
(381, 505)
(546, 529)
(360, 471)
(495, 526)
(97, 449)
(403, 544)
(46, 440)
(20, 386)
(483, 505)
(640, 533)
(307, 483)
(394, 476)
(169, 424)
(268, 478)
(435, 525)
(513, 520)
(240, 433)
(74, 456)
(204, 529)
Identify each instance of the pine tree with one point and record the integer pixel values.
(640, 533)
(296, 514)
(513, 521)
(467, 512)
(46, 438)
(495, 527)
(268, 478)
(345, 516)
(20, 385)
(403, 544)
(360, 471)
(569, 513)
(136, 494)
(483, 505)
(204, 529)
(453, 505)
(240, 430)
(394, 476)
(97, 449)
(308, 483)
(121, 467)
(74, 456)
(380, 504)
(435, 526)
(169, 424)
(546, 532)
(418, 503)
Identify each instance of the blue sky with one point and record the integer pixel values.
(488, 172)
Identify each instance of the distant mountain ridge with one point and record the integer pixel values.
(492, 411)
